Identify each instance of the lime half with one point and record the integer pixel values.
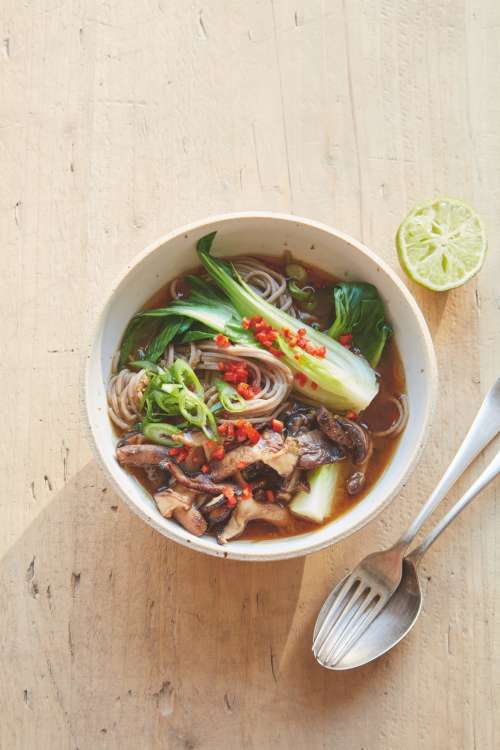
(441, 244)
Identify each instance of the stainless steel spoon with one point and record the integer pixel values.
(401, 612)
(362, 595)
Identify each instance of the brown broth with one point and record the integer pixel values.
(378, 416)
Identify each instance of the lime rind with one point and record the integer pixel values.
(441, 244)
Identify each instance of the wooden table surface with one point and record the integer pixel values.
(120, 120)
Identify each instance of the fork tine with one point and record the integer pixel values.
(344, 595)
(343, 622)
(361, 627)
(364, 617)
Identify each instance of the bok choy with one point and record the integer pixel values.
(316, 503)
(206, 305)
(340, 379)
(360, 311)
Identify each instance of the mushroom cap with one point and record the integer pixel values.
(177, 502)
(315, 449)
(141, 455)
(355, 482)
(347, 433)
(271, 450)
(250, 510)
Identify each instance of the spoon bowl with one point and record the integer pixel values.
(391, 625)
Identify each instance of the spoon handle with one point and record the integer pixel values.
(484, 428)
(491, 471)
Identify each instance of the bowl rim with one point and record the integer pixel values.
(297, 549)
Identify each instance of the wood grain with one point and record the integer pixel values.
(119, 121)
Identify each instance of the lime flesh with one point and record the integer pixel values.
(441, 244)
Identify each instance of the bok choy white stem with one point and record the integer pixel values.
(317, 503)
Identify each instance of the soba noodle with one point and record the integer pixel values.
(267, 283)
(271, 379)
(399, 423)
(124, 395)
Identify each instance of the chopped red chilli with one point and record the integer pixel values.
(300, 378)
(222, 341)
(219, 453)
(345, 339)
(231, 500)
(245, 390)
(234, 372)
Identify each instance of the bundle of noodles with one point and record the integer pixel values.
(271, 378)
(124, 397)
(267, 283)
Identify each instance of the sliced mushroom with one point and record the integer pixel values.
(155, 477)
(141, 455)
(213, 503)
(216, 511)
(355, 482)
(177, 502)
(290, 486)
(285, 460)
(250, 510)
(346, 433)
(271, 450)
(192, 520)
(353, 438)
(299, 418)
(198, 483)
(132, 438)
(315, 449)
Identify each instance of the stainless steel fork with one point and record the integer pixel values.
(360, 596)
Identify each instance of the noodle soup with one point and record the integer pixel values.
(257, 400)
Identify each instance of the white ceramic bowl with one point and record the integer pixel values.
(267, 233)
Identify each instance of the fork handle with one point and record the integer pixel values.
(491, 471)
(484, 428)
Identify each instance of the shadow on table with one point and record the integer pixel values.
(130, 634)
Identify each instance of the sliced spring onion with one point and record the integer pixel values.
(300, 294)
(159, 432)
(185, 375)
(229, 397)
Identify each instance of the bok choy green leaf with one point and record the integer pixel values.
(212, 312)
(175, 326)
(360, 311)
(135, 331)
